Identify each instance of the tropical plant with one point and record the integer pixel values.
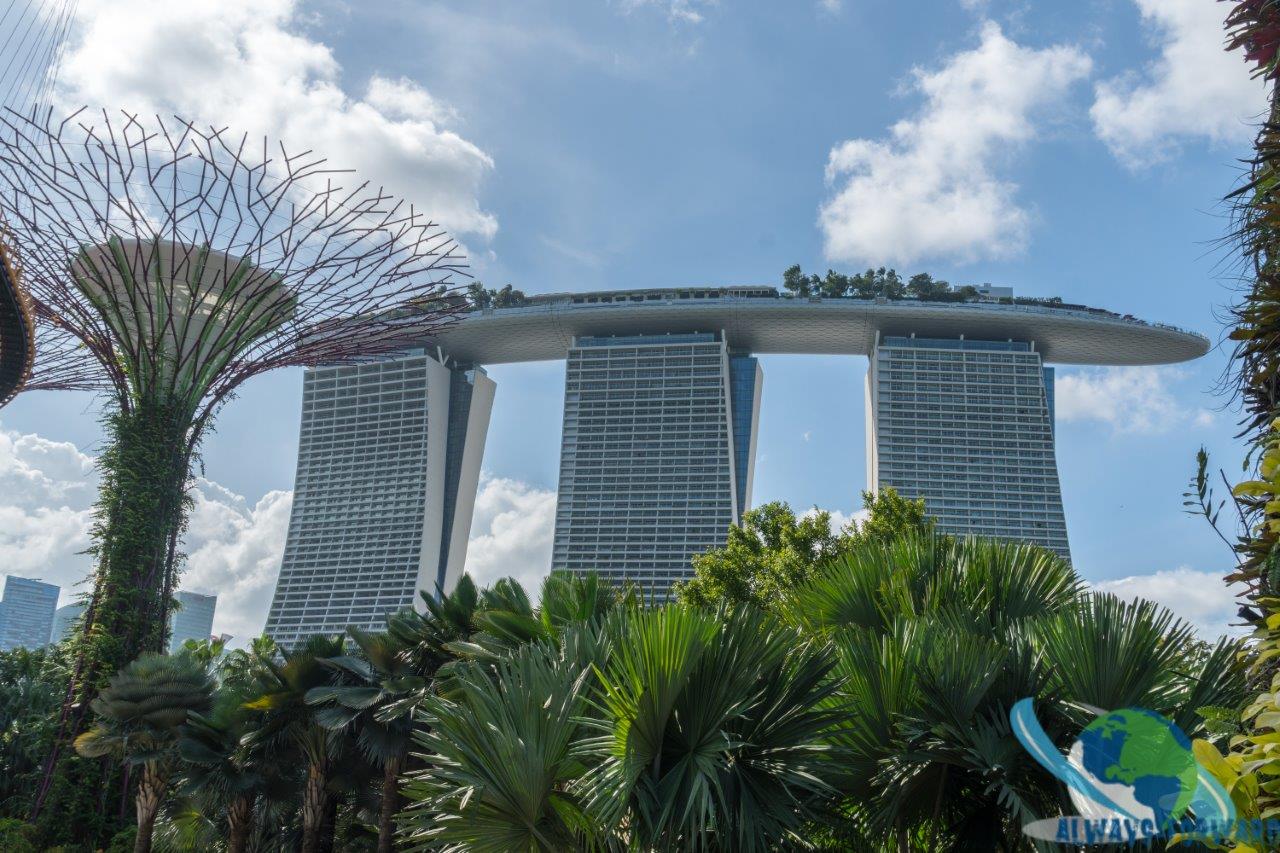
(360, 700)
(936, 638)
(772, 550)
(676, 728)
(32, 684)
(225, 771)
(712, 731)
(501, 756)
(288, 722)
(140, 714)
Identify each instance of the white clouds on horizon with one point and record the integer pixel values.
(1193, 88)
(1200, 598)
(243, 64)
(233, 546)
(1128, 399)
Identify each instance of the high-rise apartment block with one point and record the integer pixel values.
(193, 620)
(388, 465)
(656, 455)
(968, 426)
(26, 613)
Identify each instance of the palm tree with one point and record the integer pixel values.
(503, 752)
(140, 714)
(668, 729)
(369, 683)
(287, 720)
(224, 769)
(937, 638)
(712, 731)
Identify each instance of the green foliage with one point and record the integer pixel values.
(143, 707)
(140, 515)
(772, 551)
(713, 730)
(936, 639)
(505, 297)
(16, 836)
(879, 283)
(501, 759)
(32, 686)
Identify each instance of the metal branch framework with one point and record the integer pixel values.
(181, 261)
(32, 34)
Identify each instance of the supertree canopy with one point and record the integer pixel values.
(167, 264)
(34, 33)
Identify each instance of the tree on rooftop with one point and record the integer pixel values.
(177, 262)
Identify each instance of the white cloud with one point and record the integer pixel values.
(1194, 88)
(233, 551)
(233, 545)
(1200, 598)
(47, 491)
(1129, 399)
(682, 11)
(932, 188)
(831, 6)
(511, 532)
(243, 64)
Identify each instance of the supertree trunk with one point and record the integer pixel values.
(141, 511)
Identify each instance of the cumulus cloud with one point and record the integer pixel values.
(245, 65)
(233, 545)
(47, 490)
(511, 533)
(1129, 399)
(234, 550)
(933, 187)
(1194, 88)
(1200, 598)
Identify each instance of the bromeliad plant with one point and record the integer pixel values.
(180, 262)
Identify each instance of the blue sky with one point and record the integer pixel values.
(1078, 150)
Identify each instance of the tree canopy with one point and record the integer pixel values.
(486, 297)
(773, 550)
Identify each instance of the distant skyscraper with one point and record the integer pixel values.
(64, 620)
(388, 466)
(193, 620)
(656, 456)
(26, 613)
(968, 426)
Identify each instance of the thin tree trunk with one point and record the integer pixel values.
(239, 824)
(330, 825)
(390, 805)
(150, 792)
(313, 808)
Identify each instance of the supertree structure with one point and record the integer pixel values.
(31, 39)
(177, 262)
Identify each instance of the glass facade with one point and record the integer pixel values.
(649, 464)
(193, 620)
(380, 468)
(26, 613)
(968, 426)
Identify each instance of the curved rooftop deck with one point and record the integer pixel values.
(761, 320)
